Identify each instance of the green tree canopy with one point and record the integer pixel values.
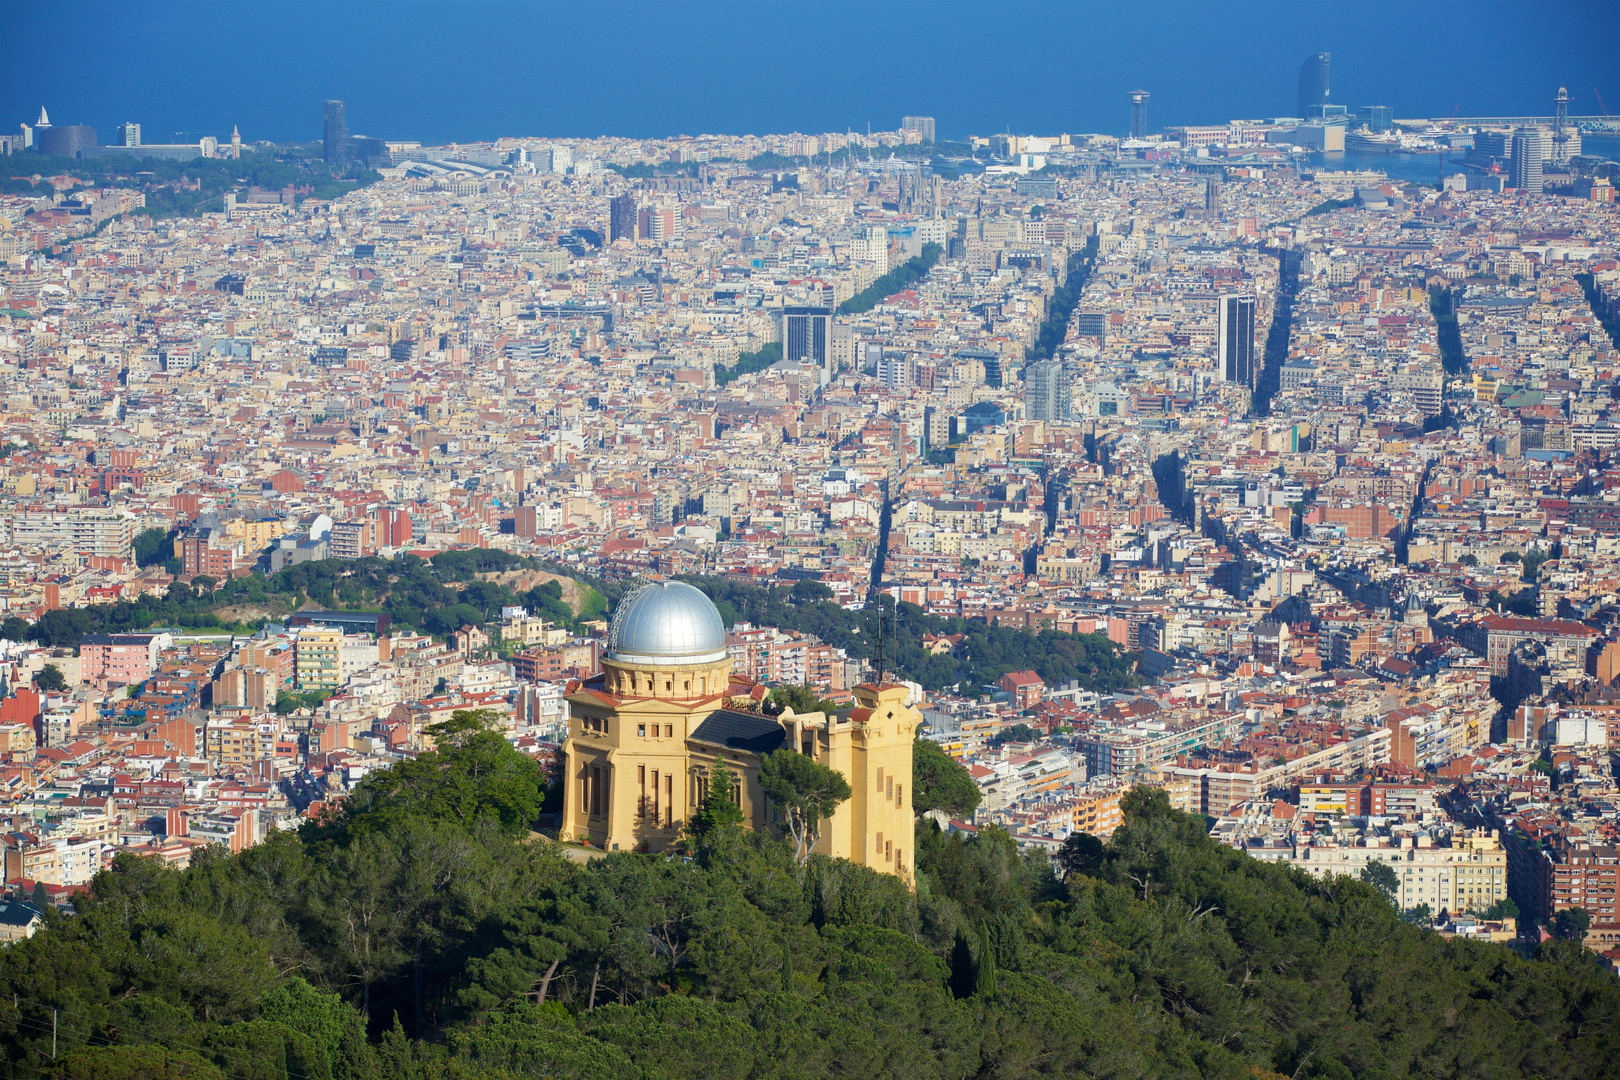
(1571, 923)
(803, 792)
(51, 679)
(437, 951)
(473, 774)
(719, 811)
(939, 782)
(152, 547)
(801, 699)
(1382, 877)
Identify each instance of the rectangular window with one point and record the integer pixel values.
(899, 795)
(669, 731)
(641, 729)
(880, 843)
(641, 777)
(655, 796)
(669, 799)
(880, 780)
(888, 851)
(899, 857)
(889, 789)
(596, 791)
(607, 785)
(584, 790)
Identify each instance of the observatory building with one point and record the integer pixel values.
(645, 732)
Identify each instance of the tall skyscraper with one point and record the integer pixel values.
(1560, 134)
(1527, 160)
(1212, 198)
(1236, 337)
(1046, 391)
(1139, 100)
(923, 125)
(806, 332)
(622, 218)
(129, 134)
(335, 139)
(1313, 85)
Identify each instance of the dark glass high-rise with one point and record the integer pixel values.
(1313, 86)
(335, 140)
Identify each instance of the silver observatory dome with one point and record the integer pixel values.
(666, 623)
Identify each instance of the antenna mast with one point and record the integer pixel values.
(882, 644)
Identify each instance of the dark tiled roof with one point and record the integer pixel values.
(17, 914)
(740, 731)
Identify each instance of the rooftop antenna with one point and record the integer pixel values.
(882, 647)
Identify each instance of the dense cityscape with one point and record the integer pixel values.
(1063, 484)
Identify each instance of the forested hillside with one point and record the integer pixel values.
(421, 934)
(432, 595)
(986, 653)
(437, 595)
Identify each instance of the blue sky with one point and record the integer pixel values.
(476, 70)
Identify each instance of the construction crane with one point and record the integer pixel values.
(1602, 106)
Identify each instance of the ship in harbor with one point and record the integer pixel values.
(1392, 142)
(1372, 140)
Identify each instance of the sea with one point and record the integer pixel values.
(1423, 168)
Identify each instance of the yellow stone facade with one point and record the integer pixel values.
(643, 737)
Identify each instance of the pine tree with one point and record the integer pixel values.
(984, 984)
(719, 810)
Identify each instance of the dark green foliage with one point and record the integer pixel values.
(988, 652)
(153, 546)
(749, 362)
(1504, 908)
(806, 591)
(288, 702)
(984, 978)
(899, 279)
(474, 776)
(1443, 304)
(215, 176)
(1282, 321)
(1381, 876)
(50, 678)
(1081, 853)
(803, 793)
(472, 953)
(939, 782)
(1572, 923)
(801, 699)
(1063, 302)
(1533, 560)
(719, 812)
(1329, 206)
(1607, 315)
(1017, 733)
(435, 596)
